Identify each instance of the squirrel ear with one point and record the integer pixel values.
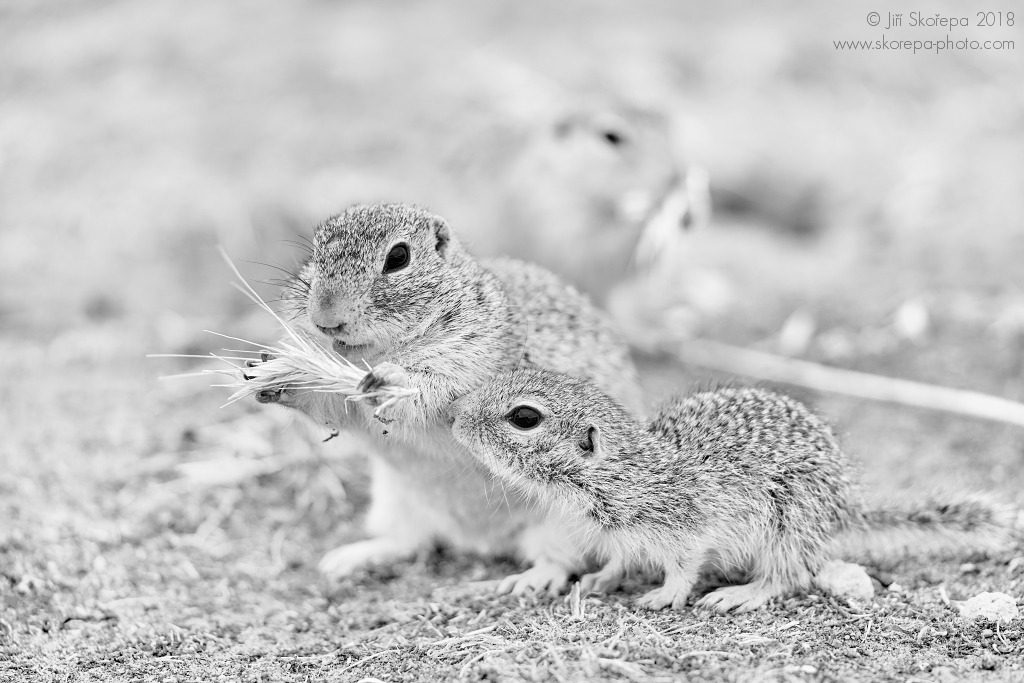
(590, 444)
(442, 236)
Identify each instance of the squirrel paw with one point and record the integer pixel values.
(545, 576)
(740, 598)
(662, 597)
(603, 581)
(346, 559)
(384, 375)
(280, 396)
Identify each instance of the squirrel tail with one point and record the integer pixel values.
(940, 523)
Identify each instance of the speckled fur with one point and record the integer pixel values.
(740, 480)
(449, 323)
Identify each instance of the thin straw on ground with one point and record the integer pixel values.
(766, 366)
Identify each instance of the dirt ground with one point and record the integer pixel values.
(870, 215)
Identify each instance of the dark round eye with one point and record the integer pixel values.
(397, 259)
(613, 138)
(523, 417)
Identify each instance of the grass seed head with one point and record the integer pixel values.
(298, 362)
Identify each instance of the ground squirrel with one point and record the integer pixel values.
(596, 194)
(391, 285)
(740, 480)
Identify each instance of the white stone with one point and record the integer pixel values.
(912, 320)
(845, 579)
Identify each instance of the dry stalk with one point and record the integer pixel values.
(765, 366)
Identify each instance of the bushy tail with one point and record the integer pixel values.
(940, 523)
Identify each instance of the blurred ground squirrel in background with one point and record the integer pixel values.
(598, 195)
(392, 286)
(745, 482)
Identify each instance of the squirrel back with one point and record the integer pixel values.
(879, 529)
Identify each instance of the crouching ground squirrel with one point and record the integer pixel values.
(390, 285)
(744, 482)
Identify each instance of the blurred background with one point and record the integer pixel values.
(868, 213)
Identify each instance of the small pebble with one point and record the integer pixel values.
(845, 579)
(912, 320)
(895, 587)
(969, 568)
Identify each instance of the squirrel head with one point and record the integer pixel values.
(601, 195)
(378, 275)
(549, 433)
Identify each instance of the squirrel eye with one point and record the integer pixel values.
(613, 137)
(523, 417)
(397, 259)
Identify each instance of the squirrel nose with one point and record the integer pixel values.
(324, 314)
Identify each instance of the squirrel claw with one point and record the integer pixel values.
(385, 374)
(547, 577)
(663, 597)
(739, 598)
(268, 396)
(600, 582)
(264, 358)
(369, 383)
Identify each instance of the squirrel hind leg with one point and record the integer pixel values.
(744, 598)
(777, 570)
